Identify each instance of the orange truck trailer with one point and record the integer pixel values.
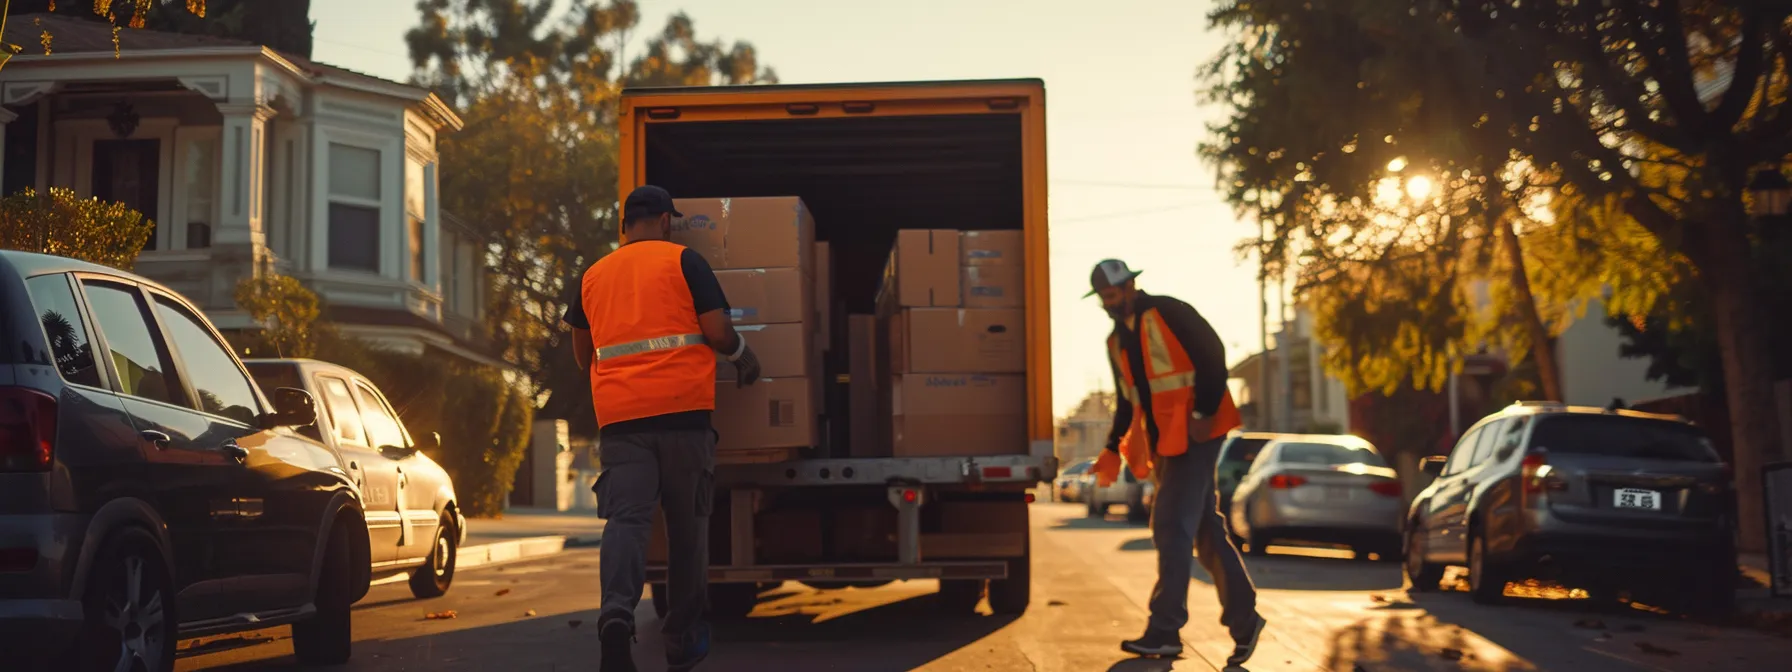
(870, 160)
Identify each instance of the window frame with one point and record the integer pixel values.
(184, 209)
(177, 375)
(377, 204)
(335, 428)
(101, 369)
(193, 400)
(1455, 466)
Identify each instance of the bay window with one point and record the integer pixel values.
(354, 235)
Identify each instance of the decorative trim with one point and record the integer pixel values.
(7, 116)
(19, 93)
(260, 111)
(215, 87)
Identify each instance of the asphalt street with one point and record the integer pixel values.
(1091, 581)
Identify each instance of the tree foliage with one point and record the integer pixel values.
(534, 170)
(284, 25)
(1639, 120)
(286, 310)
(60, 223)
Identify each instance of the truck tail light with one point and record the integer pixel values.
(998, 472)
(1386, 488)
(1286, 481)
(27, 429)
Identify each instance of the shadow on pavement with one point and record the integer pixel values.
(1139, 544)
(1294, 572)
(1144, 665)
(1112, 522)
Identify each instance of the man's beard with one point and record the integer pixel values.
(1116, 312)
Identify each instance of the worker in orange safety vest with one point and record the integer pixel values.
(1172, 414)
(648, 323)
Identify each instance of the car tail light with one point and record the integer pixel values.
(1537, 476)
(27, 429)
(1286, 481)
(1387, 488)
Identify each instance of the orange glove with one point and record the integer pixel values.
(1107, 468)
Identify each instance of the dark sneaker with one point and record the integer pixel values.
(617, 639)
(689, 649)
(1156, 644)
(1247, 646)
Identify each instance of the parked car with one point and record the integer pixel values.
(1236, 456)
(414, 523)
(149, 490)
(1319, 488)
(1069, 485)
(1597, 498)
(1133, 492)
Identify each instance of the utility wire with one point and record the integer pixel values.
(1133, 213)
(1132, 185)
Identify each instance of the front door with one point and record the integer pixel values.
(375, 474)
(129, 171)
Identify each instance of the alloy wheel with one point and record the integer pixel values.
(135, 613)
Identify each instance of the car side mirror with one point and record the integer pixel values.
(1432, 464)
(292, 408)
(426, 442)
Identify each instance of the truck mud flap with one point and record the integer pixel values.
(855, 572)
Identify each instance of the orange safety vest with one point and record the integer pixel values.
(650, 356)
(1170, 375)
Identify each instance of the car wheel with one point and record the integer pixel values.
(1486, 582)
(327, 638)
(960, 596)
(1010, 596)
(656, 593)
(732, 601)
(437, 572)
(129, 620)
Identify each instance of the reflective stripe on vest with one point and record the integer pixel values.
(1158, 361)
(1174, 381)
(649, 345)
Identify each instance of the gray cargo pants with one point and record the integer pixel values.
(676, 470)
(1186, 519)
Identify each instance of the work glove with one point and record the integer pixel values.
(746, 367)
(1107, 468)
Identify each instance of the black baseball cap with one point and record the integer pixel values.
(648, 201)
(1110, 273)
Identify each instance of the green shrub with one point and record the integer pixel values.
(60, 223)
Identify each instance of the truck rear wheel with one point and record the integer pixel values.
(1010, 596)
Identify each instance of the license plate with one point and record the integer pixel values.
(1636, 498)
(1337, 494)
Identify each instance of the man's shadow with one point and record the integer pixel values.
(1158, 665)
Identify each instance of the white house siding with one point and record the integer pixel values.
(1593, 373)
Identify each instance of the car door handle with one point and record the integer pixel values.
(235, 451)
(160, 439)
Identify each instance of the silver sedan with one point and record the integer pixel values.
(1333, 489)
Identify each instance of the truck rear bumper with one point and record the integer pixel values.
(1019, 470)
(994, 569)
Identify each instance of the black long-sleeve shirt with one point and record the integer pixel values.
(1204, 350)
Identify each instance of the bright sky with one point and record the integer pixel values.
(1121, 110)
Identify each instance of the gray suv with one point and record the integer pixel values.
(149, 492)
(1607, 500)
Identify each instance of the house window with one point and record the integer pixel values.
(416, 199)
(199, 177)
(354, 208)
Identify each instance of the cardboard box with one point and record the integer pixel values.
(992, 286)
(863, 420)
(766, 295)
(991, 248)
(941, 415)
(922, 270)
(772, 413)
(783, 351)
(736, 233)
(958, 340)
(824, 300)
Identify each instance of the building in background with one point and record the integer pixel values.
(1300, 396)
(1084, 433)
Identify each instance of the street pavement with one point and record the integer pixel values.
(1091, 581)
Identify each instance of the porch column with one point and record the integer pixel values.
(243, 184)
(6, 117)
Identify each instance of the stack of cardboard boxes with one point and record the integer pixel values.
(951, 319)
(764, 254)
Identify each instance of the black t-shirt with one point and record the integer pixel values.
(706, 295)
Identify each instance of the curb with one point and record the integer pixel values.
(468, 557)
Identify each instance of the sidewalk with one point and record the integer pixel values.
(527, 533)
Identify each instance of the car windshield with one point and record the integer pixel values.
(1620, 436)
(1328, 455)
(1243, 451)
(1078, 468)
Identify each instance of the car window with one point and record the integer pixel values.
(1327, 455)
(1620, 436)
(1078, 468)
(341, 405)
(222, 388)
(70, 343)
(1243, 451)
(1512, 439)
(140, 359)
(274, 376)
(1490, 434)
(383, 430)
(1464, 451)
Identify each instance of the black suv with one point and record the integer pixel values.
(1601, 499)
(148, 491)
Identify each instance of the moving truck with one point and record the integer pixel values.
(870, 160)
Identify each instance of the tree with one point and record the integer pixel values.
(286, 311)
(1658, 111)
(534, 169)
(284, 25)
(57, 222)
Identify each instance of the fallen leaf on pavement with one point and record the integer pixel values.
(1590, 624)
(1378, 598)
(1055, 603)
(442, 615)
(1452, 654)
(575, 623)
(502, 593)
(1654, 650)
(530, 612)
